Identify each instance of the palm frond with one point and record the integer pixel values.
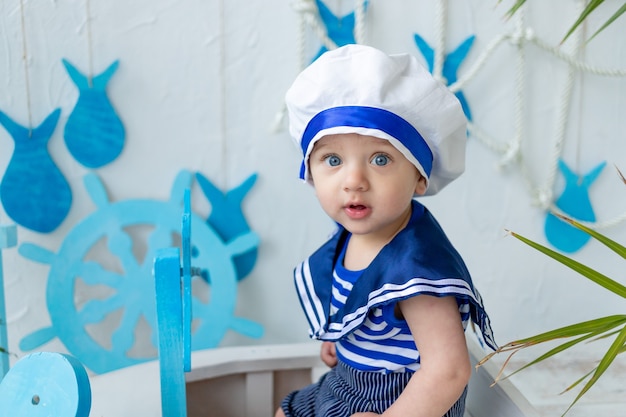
(589, 8)
(584, 270)
(617, 14)
(618, 171)
(593, 4)
(611, 244)
(611, 354)
(596, 329)
(599, 325)
(591, 330)
(514, 8)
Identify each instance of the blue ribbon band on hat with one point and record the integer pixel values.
(369, 118)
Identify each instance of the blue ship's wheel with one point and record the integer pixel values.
(130, 289)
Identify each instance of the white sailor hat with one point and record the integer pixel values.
(359, 89)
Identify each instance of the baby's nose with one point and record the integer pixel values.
(355, 178)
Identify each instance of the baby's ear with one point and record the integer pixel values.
(421, 186)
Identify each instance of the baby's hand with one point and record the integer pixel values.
(365, 415)
(328, 354)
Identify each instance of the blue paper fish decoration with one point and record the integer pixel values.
(574, 202)
(94, 134)
(451, 65)
(227, 218)
(34, 192)
(339, 30)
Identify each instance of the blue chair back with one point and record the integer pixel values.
(173, 300)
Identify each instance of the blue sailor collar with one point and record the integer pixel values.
(419, 260)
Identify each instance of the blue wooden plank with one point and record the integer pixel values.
(8, 238)
(187, 312)
(170, 317)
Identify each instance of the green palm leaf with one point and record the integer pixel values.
(514, 8)
(611, 244)
(552, 352)
(596, 326)
(589, 329)
(589, 8)
(584, 270)
(614, 350)
(581, 379)
(617, 14)
(592, 330)
(583, 15)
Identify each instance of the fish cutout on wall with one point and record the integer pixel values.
(94, 134)
(227, 218)
(339, 30)
(574, 202)
(34, 192)
(451, 65)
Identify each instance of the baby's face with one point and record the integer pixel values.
(364, 183)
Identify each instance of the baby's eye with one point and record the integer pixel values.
(380, 159)
(332, 160)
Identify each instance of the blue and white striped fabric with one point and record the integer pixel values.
(382, 343)
(343, 281)
(419, 260)
(343, 391)
(378, 346)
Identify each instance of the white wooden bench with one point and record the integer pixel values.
(250, 381)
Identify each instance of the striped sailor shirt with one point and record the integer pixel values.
(383, 343)
(358, 310)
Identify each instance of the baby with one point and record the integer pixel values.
(388, 294)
